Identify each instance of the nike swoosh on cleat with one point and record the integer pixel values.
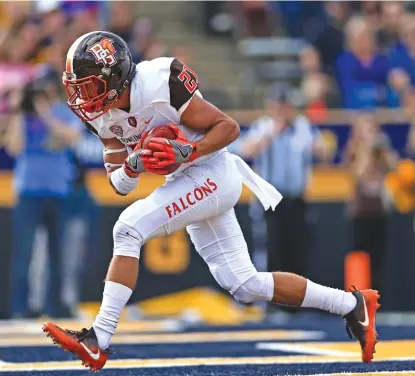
(148, 121)
(91, 354)
(366, 322)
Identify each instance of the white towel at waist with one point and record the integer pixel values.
(266, 193)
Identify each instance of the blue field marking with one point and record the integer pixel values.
(333, 326)
(147, 351)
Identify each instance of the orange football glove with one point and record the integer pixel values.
(141, 160)
(170, 152)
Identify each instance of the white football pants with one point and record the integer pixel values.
(201, 199)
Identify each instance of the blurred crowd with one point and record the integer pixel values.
(368, 54)
(36, 35)
(356, 54)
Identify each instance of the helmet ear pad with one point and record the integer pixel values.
(114, 87)
(122, 80)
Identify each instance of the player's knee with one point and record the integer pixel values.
(127, 241)
(259, 287)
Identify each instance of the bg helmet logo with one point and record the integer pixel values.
(104, 52)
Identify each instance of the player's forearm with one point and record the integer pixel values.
(220, 135)
(114, 156)
(114, 159)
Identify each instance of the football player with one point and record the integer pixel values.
(120, 102)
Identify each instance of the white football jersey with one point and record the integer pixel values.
(160, 92)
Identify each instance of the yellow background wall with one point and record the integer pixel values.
(326, 184)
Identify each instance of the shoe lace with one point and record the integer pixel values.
(79, 335)
(82, 334)
(348, 331)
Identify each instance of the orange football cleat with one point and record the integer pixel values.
(361, 322)
(83, 344)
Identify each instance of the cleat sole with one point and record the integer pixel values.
(60, 345)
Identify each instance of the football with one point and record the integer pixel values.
(166, 132)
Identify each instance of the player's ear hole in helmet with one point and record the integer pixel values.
(99, 67)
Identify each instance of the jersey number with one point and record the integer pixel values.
(189, 78)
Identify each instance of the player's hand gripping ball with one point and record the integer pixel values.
(170, 147)
(162, 131)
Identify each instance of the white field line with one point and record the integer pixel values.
(298, 348)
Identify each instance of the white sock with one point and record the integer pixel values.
(114, 300)
(328, 299)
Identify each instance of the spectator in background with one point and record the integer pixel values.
(371, 12)
(410, 146)
(55, 55)
(12, 13)
(318, 60)
(393, 18)
(74, 8)
(315, 88)
(39, 138)
(253, 18)
(409, 107)
(282, 145)
(84, 16)
(402, 54)
(145, 45)
(329, 42)
(52, 22)
(300, 18)
(315, 84)
(369, 156)
(122, 21)
(363, 72)
(22, 46)
(95, 13)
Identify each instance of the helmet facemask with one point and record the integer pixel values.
(88, 97)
